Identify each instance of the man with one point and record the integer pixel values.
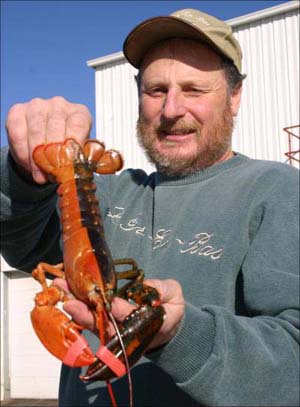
(215, 231)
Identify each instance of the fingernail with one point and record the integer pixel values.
(39, 177)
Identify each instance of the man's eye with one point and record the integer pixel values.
(157, 91)
(193, 91)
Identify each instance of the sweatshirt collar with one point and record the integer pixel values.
(201, 175)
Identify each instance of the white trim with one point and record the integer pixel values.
(266, 13)
(5, 383)
(4, 266)
(234, 22)
(117, 56)
(5, 270)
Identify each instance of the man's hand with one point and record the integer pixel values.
(171, 298)
(173, 301)
(44, 121)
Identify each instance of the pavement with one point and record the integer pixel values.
(30, 403)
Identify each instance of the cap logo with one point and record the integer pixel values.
(194, 19)
(202, 20)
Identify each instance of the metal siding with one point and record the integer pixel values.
(28, 370)
(270, 98)
(117, 112)
(33, 371)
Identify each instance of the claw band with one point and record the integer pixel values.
(107, 357)
(74, 350)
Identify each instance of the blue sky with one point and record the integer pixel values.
(45, 44)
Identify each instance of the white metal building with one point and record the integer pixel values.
(270, 42)
(270, 102)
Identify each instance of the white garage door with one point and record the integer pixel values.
(30, 371)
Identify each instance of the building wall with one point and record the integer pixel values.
(28, 370)
(270, 98)
(270, 101)
(117, 111)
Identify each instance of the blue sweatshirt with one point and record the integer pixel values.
(229, 235)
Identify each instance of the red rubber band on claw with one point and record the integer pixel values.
(74, 350)
(110, 360)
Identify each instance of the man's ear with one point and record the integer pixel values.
(235, 99)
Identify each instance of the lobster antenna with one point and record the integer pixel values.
(112, 318)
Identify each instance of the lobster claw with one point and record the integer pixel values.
(58, 333)
(137, 332)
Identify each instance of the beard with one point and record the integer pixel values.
(212, 142)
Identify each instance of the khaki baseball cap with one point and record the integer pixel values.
(187, 23)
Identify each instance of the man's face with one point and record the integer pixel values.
(186, 111)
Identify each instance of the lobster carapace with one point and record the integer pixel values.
(89, 270)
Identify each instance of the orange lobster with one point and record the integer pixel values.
(89, 270)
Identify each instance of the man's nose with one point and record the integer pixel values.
(174, 105)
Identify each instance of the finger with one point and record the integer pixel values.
(62, 284)
(174, 305)
(57, 119)
(80, 312)
(121, 308)
(169, 290)
(36, 118)
(79, 123)
(16, 128)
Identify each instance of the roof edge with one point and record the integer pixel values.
(234, 22)
(265, 13)
(115, 57)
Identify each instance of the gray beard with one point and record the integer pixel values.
(218, 142)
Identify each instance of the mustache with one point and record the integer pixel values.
(177, 127)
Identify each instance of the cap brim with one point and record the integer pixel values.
(156, 29)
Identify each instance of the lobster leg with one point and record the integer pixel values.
(39, 273)
(134, 273)
(58, 333)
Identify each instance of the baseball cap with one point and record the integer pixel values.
(187, 23)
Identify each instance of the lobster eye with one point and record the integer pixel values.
(97, 289)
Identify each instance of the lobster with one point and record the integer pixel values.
(90, 272)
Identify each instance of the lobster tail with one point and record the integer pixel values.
(58, 160)
(103, 162)
(93, 150)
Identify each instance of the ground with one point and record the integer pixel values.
(30, 403)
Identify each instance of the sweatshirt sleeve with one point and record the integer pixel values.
(224, 359)
(30, 230)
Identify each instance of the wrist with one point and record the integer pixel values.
(21, 171)
(18, 188)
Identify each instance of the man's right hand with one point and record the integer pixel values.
(42, 121)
